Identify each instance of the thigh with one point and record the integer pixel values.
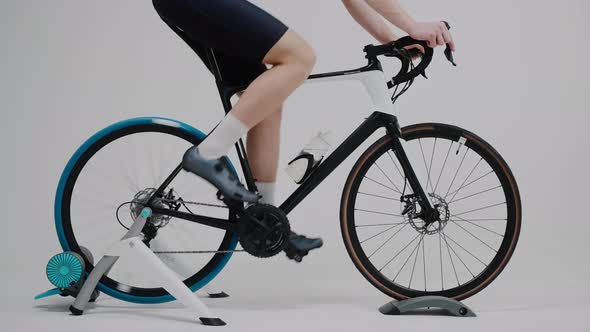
(240, 33)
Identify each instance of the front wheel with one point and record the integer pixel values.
(476, 196)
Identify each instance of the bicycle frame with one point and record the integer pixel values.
(373, 79)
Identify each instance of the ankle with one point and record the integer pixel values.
(219, 142)
(267, 190)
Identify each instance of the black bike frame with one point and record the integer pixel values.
(374, 122)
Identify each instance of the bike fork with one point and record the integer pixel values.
(430, 213)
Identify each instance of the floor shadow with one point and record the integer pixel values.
(60, 307)
(425, 312)
(123, 310)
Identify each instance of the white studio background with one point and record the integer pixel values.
(71, 67)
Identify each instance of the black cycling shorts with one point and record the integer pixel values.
(239, 32)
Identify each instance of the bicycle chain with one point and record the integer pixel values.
(197, 252)
(173, 252)
(192, 203)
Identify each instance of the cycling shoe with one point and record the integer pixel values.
(300, 245)
(218, 173)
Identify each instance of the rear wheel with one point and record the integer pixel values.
(477, 198)
(123, 164)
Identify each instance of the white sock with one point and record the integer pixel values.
(267, 190)
(223, 138)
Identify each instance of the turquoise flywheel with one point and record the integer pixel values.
(65, 270)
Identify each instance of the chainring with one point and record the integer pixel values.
(269, 235)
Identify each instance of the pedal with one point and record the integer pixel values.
(299, 246)
(295, 254)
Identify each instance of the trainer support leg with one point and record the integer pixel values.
(132, 245)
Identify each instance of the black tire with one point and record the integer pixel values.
(511, 232)
(64, 223)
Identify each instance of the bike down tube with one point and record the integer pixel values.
(367, 128)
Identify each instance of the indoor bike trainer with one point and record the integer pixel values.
(262, 230)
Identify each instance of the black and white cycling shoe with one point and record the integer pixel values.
(218, 174)
(300, 245)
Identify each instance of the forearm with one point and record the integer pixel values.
(370, 20)
(392, 11)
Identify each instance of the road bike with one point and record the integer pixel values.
(428, 209)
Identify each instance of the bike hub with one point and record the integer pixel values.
(426, 223)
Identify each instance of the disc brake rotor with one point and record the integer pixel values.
(413, 216)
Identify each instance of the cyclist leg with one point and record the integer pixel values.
(253, 39)
(263, 148)
(239, 28)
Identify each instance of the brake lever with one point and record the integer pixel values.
(411, 54)
(448, 51)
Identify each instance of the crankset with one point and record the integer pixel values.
(265, 230)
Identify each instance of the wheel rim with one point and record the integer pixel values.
(67, 227)
(401, 280)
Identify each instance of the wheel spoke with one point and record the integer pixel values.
(478, 209)
(414, 265)
(381, 184)
(472, 195)
(443, 166)
(390, 181)
(442, 278)
(409, 256)
(375, 225)
(467, 178)
(457, 172)
(460, 259)
(467, 251)
(130, 186)
(428, 182)
(378, 212)
(474, 181)
(384, 243)
(424, 261)
(379, 196)
(474, 224)
(451, 258)
(431, 161)
(480, 240)
(395, 164)
(404, 248)
(481, 219)
(374, 236)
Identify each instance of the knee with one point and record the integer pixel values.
(306, 57)
(294, 51)
(302, 55)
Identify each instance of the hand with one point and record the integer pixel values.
(434, 33)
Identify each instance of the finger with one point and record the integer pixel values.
(416, 51)
(440, 39)
(416, 46)
(449, 40)
(431, 41)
